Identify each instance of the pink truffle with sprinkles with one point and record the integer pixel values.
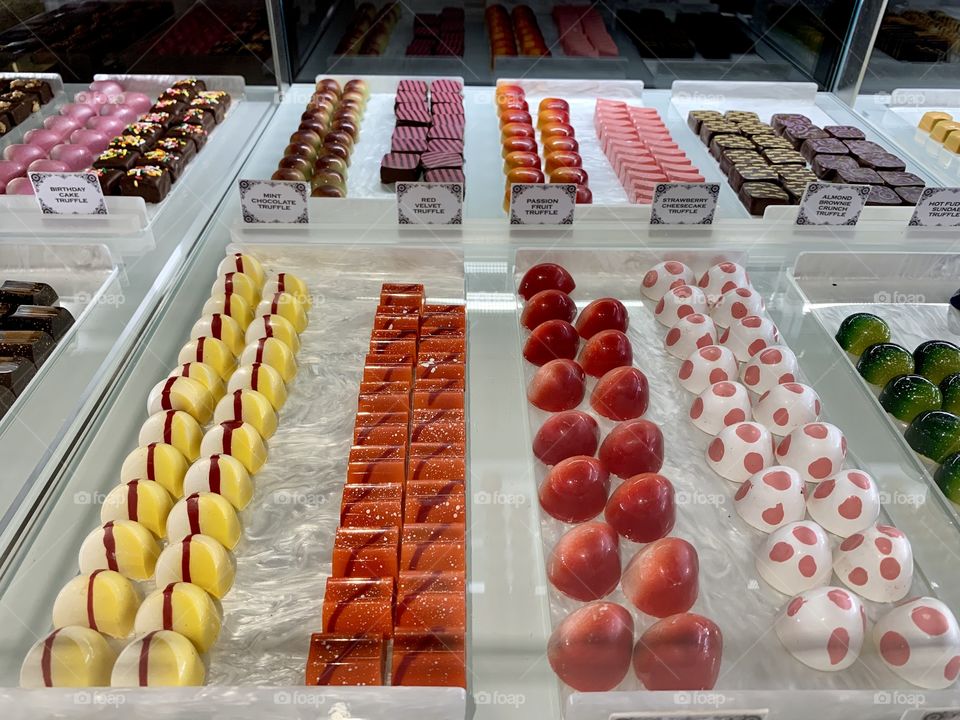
(770, 367)
(845, 503)
(920, 641)
(786, 407)
(771, 498)
(815, 450)
(876, 564)
(666, 275)
(679, 302)
(692, 332)
(722, 404)
(795, 558)
(740, 450)
(823, 628)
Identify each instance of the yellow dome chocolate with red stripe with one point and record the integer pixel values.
(204, 513)
(239, 284)
(123, 546)
(184, 608)
(243, 263)
(159, 462)
(285, 305)
(273, 352)
(144, 501)
(181, 393)
(289, 283)
(104, 601)
(274, 326)
(221, 327)
(262, 378)
(221, 474)
(212, 352)
(205, 375)
(68, 657)
(238, 439)
(248, 406)
(161, 658)
(232, 305)
(200, 560)
(173, 427)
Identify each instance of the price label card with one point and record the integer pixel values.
(542, 204)
(274, 201)
(832, 204)
(68, 193)
(684, 203)
(428, 203)
(937, 207)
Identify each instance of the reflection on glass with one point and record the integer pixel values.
(80, 39)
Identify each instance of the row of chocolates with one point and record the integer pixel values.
(562, 162)
(592, 648)
(173, 518)
(149, 155)
(31, 324)
(640, 149)
(399, 554)
(320, 148)
(438, 34)
(427, 141)
(772, 163)
(20, 98)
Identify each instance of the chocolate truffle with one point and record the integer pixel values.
(151, 182)
(54, 321)
(20, 292)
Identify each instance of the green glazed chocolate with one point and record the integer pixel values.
(934, 434)
(861, 330)
(907, 396)
(882, 362)
(950, 392)
(935, 359)
(947, 477)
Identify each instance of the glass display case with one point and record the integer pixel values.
(354, 466)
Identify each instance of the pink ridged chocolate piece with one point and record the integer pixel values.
(446, 146)
(415, 87)
(446, 86)
(444, 175)
(412, 115)
(445, 129)
(447, 109)
(408, 145)
(441, 160)
(409, 131)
